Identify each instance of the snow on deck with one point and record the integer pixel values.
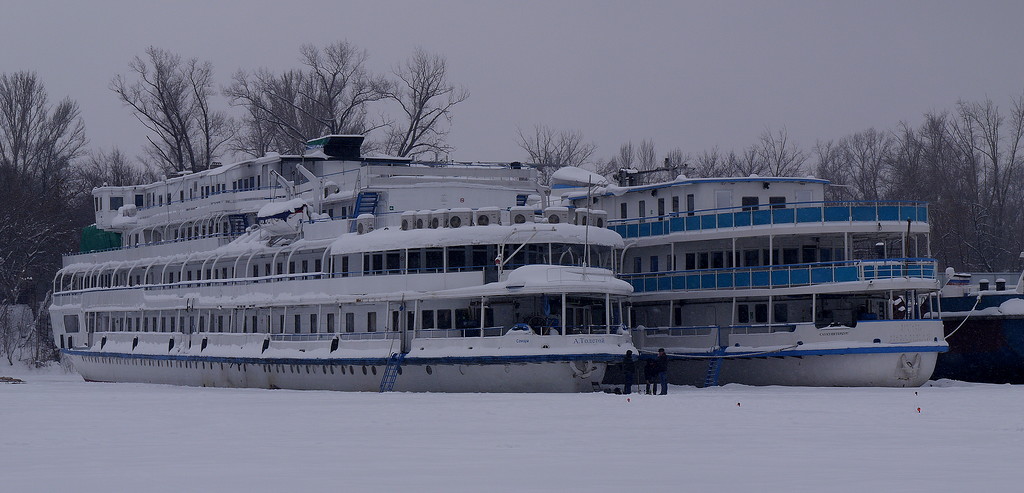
(68, 435)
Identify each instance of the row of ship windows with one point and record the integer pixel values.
(299, 323)
(747, 203)
(158, 199)
(745, 258)
(267, 368)
(421, 260)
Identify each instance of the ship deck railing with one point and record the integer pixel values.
(807, 213)
(782, 276)
(500, 331)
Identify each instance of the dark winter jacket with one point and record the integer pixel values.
(628, 364)
(661, 363)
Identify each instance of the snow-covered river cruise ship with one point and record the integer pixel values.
(761, 281)
(332, 270)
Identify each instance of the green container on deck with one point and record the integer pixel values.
(94, 239)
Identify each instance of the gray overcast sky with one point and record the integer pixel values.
(684, 74)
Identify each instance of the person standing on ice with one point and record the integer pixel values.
(628, 372)
(661, 367)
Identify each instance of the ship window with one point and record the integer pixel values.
(675, 204)
(654, 263)
(428, 319)
(266, 269)
(291, 267)
(641, 208)
(116, 202)
(312, 323)
(255, 271)
(395, 319)
(444, 319)
(702, 260)
(139, 200)
(344, 266)
(393, 262)
(742, 314)
(777, 202)
(790, 255)
(298, 324)
(717, 260)
(751, 258)
(224, 273)
(749, 203)
(622, 210)
(689, 204)
(456, 258)
(638, 264)
(330, 322)
(780, 313)
(371, 322)
(826, 255)
(279, 268)
(809, 254)
(350, 322)
(202, 324)
(280, 324)
(691, 261)
(434, 259)
(305, 266)
(661, 206)
(761, 313)
(317, 266)
(220, 323)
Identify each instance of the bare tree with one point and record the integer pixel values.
(113, 168)
(426, 98)
(171, 97)
(710, 164)
(39, 143)
(779, 157)
(329, 95)
(551, 149)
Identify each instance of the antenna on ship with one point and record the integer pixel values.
(586, 225)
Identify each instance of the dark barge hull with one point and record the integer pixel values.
(987, 348)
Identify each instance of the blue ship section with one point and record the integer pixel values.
(987, 349)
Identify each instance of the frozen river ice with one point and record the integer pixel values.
(62, 434)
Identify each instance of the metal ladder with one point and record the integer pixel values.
(387, 382)
(714, 368)
(366, 203)
(238, 223)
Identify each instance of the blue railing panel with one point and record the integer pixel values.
(725, 220)
(693, 282)
(844, 274)
(707, 222)
(725, 279)
(693, 223)
(742, 279)
(742, 218)
(633, 230)
(863, 213)
(759, 279)
(677, 224)
(800, 276)
(645, 229)
(888, 213)
(707, 281)
(837, 213)
(780, 277)
(782, 216)
(820, 275)
(808, 215)
(664, 283)
(762, 217)
(922, 214)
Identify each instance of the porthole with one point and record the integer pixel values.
(374, 369)
(343, 369)
(364, 369)
(332, 369)
(352, 369)
(399, 370)
(429, 370)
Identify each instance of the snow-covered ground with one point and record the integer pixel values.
(58, 433)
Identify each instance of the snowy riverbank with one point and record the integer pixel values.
(62, 434)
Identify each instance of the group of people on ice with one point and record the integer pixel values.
(655, 372)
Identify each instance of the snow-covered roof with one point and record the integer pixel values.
(549, 279)
(396, 239)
